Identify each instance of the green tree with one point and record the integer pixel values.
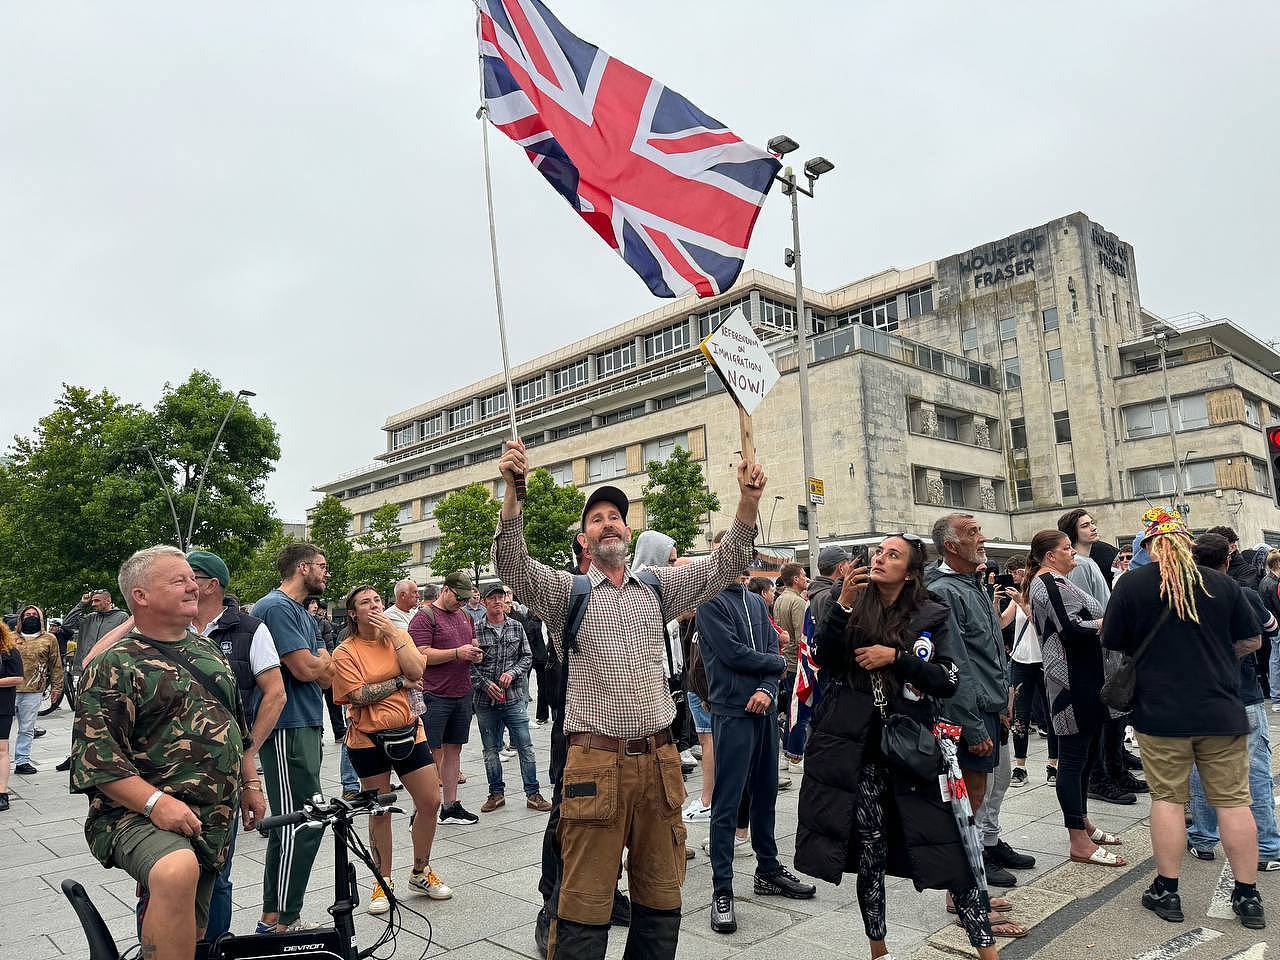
(328, 527)
(676, 498)
(257, 576)
(467, 519)
(552, 515)
(80, 494)
(374, 561)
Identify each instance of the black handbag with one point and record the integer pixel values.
(396, 743)
(905, 743)
(1119, 688)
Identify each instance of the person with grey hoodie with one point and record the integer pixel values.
(654, 549)
(981, 705)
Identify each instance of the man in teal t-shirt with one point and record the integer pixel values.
(291, 755)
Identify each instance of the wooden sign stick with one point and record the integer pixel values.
(746, 435)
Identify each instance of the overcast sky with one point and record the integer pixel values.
(290, 195)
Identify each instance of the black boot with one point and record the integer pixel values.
(653, 934)
(577, 941)
(621, 916)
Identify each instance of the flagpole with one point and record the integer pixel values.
(483, 116)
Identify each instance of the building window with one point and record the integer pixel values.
(606, 466)
(1061, 426)
(880, 315)
(402, 437)
(1200, 475)
(429, 506)
(1056, 370)
(948, 427)
(452, 464)
(1260, 476)
(488, 453)
(1252, 412)
(571, 375)
(1115, 308)
(1018, 433)
(562, 473)
(668, 340)
(673, 399)
(406, 513)
(1022, 490)
(661, 449)
(920, 301)
(431, 427)
(712, 319)
(969, 335)
(1192, 412)
(388, 482)
(622, 357)
(1129, 306)
(429, 548)
(1013, 373)
(953, 491)
(1049, 319)
(1152, 480)
(570, 429)
(780, 316)
(417, 474)
(617, 416)
(493, 405)
(1069, 491)
(1101, 307)
(530, 390)
(1145, 420)
(462, 415)
(1008, 329)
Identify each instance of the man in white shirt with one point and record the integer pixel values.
(406, 604)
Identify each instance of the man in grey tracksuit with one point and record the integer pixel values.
(983, 697)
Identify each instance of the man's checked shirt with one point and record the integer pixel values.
(616, 684)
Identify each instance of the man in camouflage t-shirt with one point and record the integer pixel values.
(161, 756)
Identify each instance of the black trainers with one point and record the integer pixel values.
(456, 813)
(1003, 855)
(64, 766)
(1248, 907)
(1166, 906)
(621, 914)
(1199, 854)
(723, 919)
(1050, 773)
(999, 876)
(1110, 792)
(1132, 762)
(1127, 781)
(26, 769)
(4, 801)
(1019, 777)
(784, 884)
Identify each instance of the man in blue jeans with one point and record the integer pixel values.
(500, 685)
(1211, 550)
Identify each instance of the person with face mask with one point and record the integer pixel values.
(41, 668)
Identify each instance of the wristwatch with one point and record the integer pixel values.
(399, 683)
(151, 803)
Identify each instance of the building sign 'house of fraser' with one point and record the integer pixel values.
(1005, 261)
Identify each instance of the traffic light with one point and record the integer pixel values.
(802, 511)
(1273, 454)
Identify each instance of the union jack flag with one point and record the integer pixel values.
(805, 696)
(673, 191)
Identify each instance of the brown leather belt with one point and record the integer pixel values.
(630, 748)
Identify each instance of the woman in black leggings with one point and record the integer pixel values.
(859, 814)
(1026, 675)
(1068, 621)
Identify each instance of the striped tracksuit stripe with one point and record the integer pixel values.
(291, 769)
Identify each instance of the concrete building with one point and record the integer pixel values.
(1013, 381)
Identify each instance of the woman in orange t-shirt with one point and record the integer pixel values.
(373, 668)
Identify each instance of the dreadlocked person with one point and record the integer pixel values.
(1189, 624)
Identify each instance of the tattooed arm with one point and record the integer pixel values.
(373, 692)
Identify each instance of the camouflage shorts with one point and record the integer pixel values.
(141, 844)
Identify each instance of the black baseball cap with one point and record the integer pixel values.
(610, 494)
(493, 588)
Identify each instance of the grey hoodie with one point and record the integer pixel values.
(979, 654)
(653, 549)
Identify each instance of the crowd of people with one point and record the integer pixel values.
(196, 712)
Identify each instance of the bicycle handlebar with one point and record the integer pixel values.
(318, 810)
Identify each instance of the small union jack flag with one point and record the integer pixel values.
(805, 696)
(672, 190)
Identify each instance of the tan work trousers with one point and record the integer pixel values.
(610, 801)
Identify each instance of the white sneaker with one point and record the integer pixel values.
(378, 903)
(686, 756)
(784, 783)
(741, 846)
(695, 812)
(508, 753)
(796, 766)
(696, 751)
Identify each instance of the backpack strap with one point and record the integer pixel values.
(578, 597)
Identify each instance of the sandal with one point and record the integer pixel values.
(1101, 858)
(1106, 839)
(998, 905)
(1009, 929)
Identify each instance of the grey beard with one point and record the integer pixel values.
(612, 554)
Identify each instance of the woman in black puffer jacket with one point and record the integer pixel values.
(857, 813)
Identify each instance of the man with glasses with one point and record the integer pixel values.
(291, 754)
(91, 619)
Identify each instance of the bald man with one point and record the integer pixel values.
(406, 604)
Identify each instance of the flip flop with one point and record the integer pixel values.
(1101, 858)
(1013, 930)
(998, 905)
(1106, 839)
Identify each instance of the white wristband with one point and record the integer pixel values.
(151, 803)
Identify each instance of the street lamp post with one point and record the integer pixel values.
(813, 169)
(164, 485)
(191, 524)
(774, 509)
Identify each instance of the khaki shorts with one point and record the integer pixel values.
(1223, 763)
(142, 844)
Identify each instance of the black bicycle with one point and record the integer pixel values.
(337, 942)
(70, 681)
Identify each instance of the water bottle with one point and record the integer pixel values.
(922, 649)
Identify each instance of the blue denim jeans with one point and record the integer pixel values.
(348, 773)
(1273, 669)
(1203, 832)
(513, 715)
(26, 709)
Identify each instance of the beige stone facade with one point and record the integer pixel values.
(1013, 381)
